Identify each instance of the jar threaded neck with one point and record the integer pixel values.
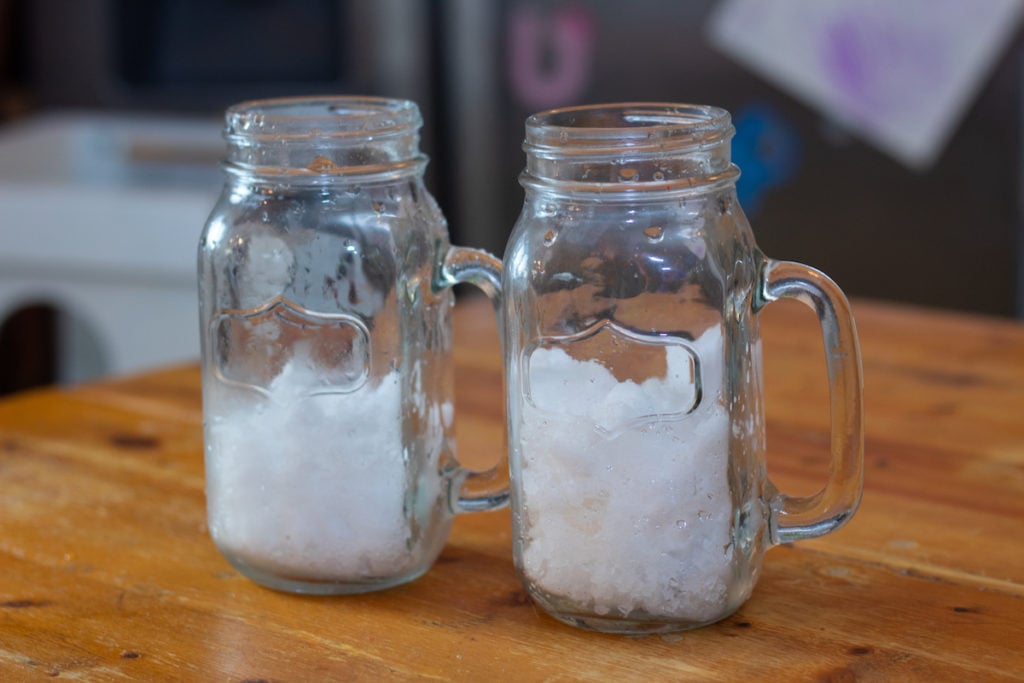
(629, 147)
(323, 137)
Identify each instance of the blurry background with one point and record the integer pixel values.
(109, 137)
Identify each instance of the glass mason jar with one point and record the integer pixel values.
(324, 275)
(632, 288)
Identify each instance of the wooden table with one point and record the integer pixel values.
(106, 569)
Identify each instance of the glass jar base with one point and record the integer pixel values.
(630, 627)
(322, 587)
(637, 621)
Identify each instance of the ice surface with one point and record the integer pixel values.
(636, 521)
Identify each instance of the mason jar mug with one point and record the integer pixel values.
(632, 288)
(324, 275)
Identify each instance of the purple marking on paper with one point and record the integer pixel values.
(880, 67)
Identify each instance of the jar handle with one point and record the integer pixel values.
(797, 518)
(488, 489)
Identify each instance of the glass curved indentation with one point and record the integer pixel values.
(613, 377)
(318, 353)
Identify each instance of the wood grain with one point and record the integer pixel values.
(107, 572)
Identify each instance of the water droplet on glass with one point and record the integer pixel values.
(378, 208)
(549, 237)
(681, 524)
(564, 136)
(724, 204)
(654, 233)
(703, 515)
(658, 175)
(628, 175)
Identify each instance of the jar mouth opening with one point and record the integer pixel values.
(630, 125)
(333, 117)
(324, 138)
(632, 147)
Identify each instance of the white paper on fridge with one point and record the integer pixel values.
(899, 74)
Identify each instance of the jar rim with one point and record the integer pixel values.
(628, 125)
(326, 116)
(629, 148)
